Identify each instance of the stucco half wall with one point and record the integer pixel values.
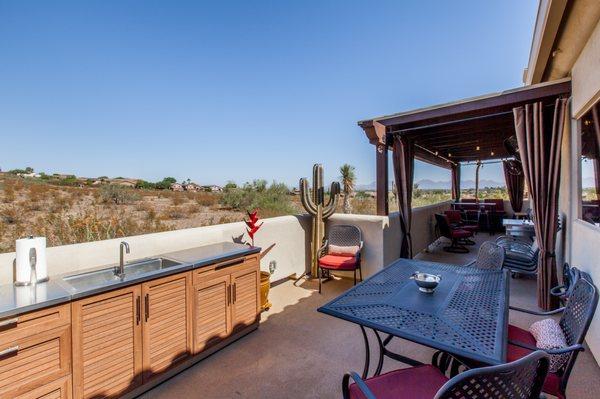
(290, 234)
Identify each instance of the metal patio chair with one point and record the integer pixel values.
(456, 220)
(341, 236)
(456, 236)
(489, 257)
(521, 257)
(574, 322)
(521, 379)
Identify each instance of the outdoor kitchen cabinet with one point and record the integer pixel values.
(125, 341)
(123, 338)
(35, 353)
(227, 299)
(167, 326)
(107, 343)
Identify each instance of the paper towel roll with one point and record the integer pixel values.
(23, 250)
(41, 267)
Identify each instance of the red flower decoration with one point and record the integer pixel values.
(252, 224)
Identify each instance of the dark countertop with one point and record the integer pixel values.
(18, 300)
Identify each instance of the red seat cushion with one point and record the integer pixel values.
(552, 383)
(460, 233)
(411, 383)
(338, 262)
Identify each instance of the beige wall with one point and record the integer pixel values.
(580, 240)
(289, 233)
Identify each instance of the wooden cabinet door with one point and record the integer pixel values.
(212, 319)
(30, 362)
(59, 389)
(107, 344)
(167, 322)
(245, 284)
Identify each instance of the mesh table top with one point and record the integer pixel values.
(467, 315)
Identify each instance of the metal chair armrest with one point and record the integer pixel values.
(559, 351)
(323, 248)
(359, 383)
(535, 313)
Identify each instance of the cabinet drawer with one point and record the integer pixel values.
(30, 362)
(31, 323)
(223, 268)
(59, 389)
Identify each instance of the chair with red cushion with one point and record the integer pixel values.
(455, 218)
(456, 236)
(521, 379)
(576, 317)
(341, 251)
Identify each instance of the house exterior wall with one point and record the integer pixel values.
(581, 239)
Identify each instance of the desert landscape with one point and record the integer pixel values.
(68, 211)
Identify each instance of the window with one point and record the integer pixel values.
(590, 166)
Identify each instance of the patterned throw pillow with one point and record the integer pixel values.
(549, 335)
(342, 251)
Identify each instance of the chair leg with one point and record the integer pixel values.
(456, 248)
(319, 276)
(360, 272)
(355, 276)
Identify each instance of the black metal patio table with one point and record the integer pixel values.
(466, 316)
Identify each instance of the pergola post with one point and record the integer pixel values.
(375, 132)
(381, 155)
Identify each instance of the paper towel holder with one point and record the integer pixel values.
(33, 275)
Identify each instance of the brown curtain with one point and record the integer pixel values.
(404, 155)
(515, 183)
(596, 119)
(539, 134)
(456, 181)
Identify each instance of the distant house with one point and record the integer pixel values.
(295, 191)
(192, 187)
(177, 187)
(29, 175)
(124, 182)
(212, 188)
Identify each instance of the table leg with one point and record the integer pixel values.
(367, 353)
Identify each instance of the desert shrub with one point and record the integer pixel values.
(207, 199)
(9, 192)
(118, 195)
(272, 200)
(178, 199)
(10, 215)
(174, 212)
(92, 225)
(363, 205)
(192, 208)
(37, 192)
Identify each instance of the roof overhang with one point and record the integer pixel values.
(465, 130)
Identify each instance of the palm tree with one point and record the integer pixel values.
(348, 177)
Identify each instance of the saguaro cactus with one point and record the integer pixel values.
(314, 203)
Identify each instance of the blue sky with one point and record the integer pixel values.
(238, 90)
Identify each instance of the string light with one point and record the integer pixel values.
(492, 153)
(477, 148)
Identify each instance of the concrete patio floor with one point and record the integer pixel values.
(300, 353)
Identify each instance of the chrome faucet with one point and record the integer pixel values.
(120, 271)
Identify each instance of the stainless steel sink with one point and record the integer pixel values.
(104, 277)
